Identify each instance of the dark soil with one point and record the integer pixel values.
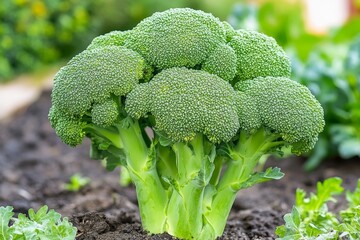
(35, 165)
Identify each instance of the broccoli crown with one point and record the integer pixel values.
(259, 56)
(93, 75)
(89, 80)
(114, 38)
(222, 62)
(176, 37)
(185, 102)
(69, 128)
(285, 107)
(105, 114)
(190, 73)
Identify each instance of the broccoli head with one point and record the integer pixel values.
(188, 106)
(259, 56)
(284, 106)
(185, 102)
(176, 38)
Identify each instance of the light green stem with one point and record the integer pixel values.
(152, 197)
(185, 210)
(244, 158)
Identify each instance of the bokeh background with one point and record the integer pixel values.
(322, 37)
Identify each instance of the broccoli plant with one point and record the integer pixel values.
(188, 106)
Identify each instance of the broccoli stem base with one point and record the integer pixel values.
(244, 157)
(180, 188)
(140, 163)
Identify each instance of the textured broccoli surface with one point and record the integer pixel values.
(259, 56)
(222, 62)
(114, 38)
(204, 104)
(286, 107)
(188, 106)
(176, 38)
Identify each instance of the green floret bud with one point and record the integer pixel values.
(105, 114)
(138, 101)
(249, 117)
(176, 37)
(229, 30)
(221, 62)
(286, 107)
(93, 75)
(259, 55)
(114, 38)
(185, 102)
(68, 128)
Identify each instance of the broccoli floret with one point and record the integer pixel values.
(186, 102)
(188, 106)
(259, 56)
(286, 107)
(176, 38)
(93, 75)
(249, 116)
(70, 129)
(106, 113)
(229, 30)
(221, 62)
(114, 38)
(90, 79)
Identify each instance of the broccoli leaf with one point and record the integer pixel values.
(259, 177)
(6, 214)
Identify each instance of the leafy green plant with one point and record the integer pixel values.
(332, 74)
(42, 224)
(35, 33)
(188, 106)
(310, 218)
(77, 182)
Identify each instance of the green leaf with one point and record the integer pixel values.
(206, 171)
(42, 224)
(291, 228)
(350, 148)
(318, 154)
(6, 214)
(342, 133)
(354, 197)
(325, 192)
(259, 177)
(163, 139)
(77, 182)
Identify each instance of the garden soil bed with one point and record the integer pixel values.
(35, 165)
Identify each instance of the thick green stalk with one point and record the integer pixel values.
(141, 164)
(244, 158)
(185, 210)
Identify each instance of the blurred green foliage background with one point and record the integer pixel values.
(36, 33)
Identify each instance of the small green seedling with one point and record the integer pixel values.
(188, 106)
(77, 182)
(310, 218)
(39, 225)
